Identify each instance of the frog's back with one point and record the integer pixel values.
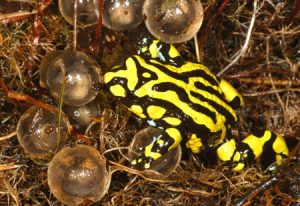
(185, 98)
(171, 93)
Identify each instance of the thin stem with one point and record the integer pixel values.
(245, 46)
(75, 26)
(197, 47)
(8, 136)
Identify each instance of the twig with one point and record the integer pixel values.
(8, 136)
(138, 172)
(9, 167)
(31, 100)
(5, 88)
(192, 191)
(102, 130)
(211, 21)
(245, 46)
(197, 48)
(272, 82)
(75, 26)
(271, 92)
(60, 104)
(99, 27)
(7, 18)
(252, 193)
(285, 196)
(294, 12)
(114, 149)
(267, 81)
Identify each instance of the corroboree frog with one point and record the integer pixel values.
(189, 103)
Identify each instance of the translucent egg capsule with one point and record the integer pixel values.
(83, 115)
(122, 14)
(78, 175)
(166, 163)
(37, 132)
(78, 72)
(173, 21)
(87, 11)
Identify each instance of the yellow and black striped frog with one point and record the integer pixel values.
(191, 105)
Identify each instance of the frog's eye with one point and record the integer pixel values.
(146, 74)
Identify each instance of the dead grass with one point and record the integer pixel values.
(264, 66)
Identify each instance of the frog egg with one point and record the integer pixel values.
(78, 175)
(165, 164)
(87, 11)
(173, 21)
(79, 72)
(83, 115)
(122, 14)
(37, 132)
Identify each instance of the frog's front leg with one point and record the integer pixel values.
(160, 145)
(231, 94)
(252, 147)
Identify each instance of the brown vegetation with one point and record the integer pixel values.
(259, 40)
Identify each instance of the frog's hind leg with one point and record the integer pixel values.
(160, 145)
(252, 147)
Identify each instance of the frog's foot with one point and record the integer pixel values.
(194, 144)
(142, 163)
(150, 153)
(157, 148)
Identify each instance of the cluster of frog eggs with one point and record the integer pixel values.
(171, 21)
(79, 174)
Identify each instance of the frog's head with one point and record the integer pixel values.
(130, 78)
(137, 76)
(161, 51)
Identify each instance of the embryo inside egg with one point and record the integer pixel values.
(173, 21)
(122, 14)
(78, 73)
(37, 132)
(87, 11)
(78, 175)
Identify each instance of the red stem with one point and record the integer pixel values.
(42, 6)
(31, 100)
(99, 27)
(294, 12)
(3, 85)
(210, 22)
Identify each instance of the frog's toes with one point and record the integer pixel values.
(141, 163)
